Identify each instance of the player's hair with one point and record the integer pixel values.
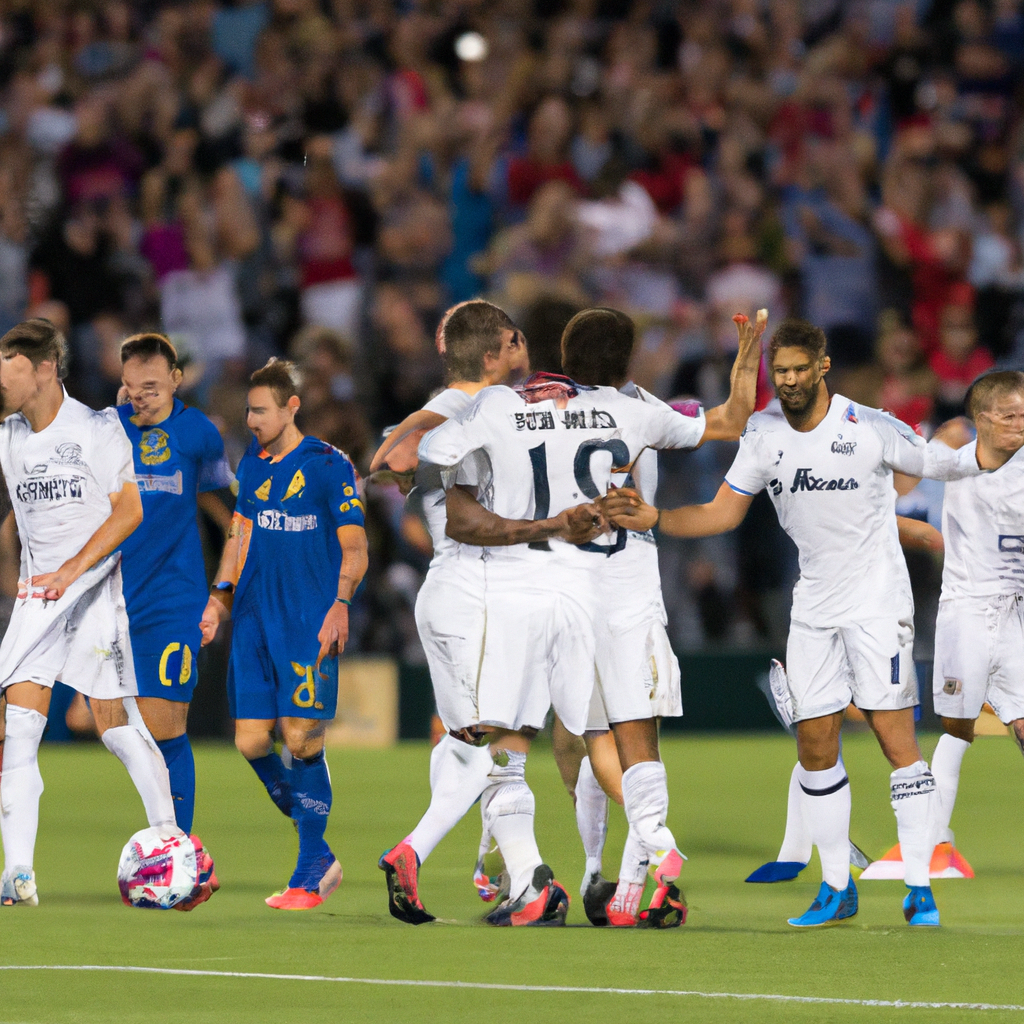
(39, 341)
(469, 332)
(794, 333)
(279, 375)
(990, 387)
(148, 345)
(597, 346)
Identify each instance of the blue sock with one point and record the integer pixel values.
(181, 767)
(273, 774)
(311, 787)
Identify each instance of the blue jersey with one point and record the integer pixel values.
(165, 585)
(291, 510)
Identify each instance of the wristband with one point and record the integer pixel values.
(224, 592)
(345, 601)
(657, 522)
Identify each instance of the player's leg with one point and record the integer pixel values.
(254, 740)
(125, 735)
(957, 736)
(166, 721)
(21, 786)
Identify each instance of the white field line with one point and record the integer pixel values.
(902, 1004)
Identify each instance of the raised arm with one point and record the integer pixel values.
(125, 516)
(398, 452)
(624, 507)
(470, 523)
(725, 422)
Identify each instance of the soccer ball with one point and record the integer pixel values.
(157, 869)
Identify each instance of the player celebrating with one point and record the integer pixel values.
(480, 347)
(828, 465)
(72, 485)
(294, 558)
(179, 455)
(979, 632)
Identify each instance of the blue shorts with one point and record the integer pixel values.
(170, 672)
(271, 674)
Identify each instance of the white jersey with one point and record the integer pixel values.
(545, 459)
(431, 480)
(60, 480)
(983, 528)
(832, 489)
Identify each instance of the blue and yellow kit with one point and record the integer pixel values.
(162, 566)
(290, 511)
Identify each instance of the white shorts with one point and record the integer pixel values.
(538, 648)
(82, 639)
(870, 664)
(450, 618)
(979, 656)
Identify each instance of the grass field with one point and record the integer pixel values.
(728, 807)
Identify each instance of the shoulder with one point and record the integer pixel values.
(320, 453)
(764, 423)
(448, 403)
(198, 424)
(882, 422)
(491, 401)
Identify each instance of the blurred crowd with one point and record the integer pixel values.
(322, 178)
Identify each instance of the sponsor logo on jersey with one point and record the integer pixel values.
(842, 447)
(803, 481)
(952, 686)
(296, 486)
(151, 482)
(273, 519)
(153, 447)
(51, 488)
(1011, 543)
(69, 454)
(539, 420)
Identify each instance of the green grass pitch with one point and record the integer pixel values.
(728, 807)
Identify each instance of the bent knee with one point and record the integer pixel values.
(961, 728)
(253, 745)
(304, 737)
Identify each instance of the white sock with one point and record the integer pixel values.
(796, 843)
(591, 820)
(632, 873)
(21, 785)
(827, 811)
(912, 792)
(507, 806)
(145, 764)
(458, 775)
(946, 761)
(645, 797)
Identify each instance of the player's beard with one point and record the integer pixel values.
(797, 402)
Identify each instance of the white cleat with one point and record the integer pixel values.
(19, 888)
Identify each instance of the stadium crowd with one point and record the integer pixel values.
(322, 178)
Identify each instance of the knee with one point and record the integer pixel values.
(306, 740)
(1018, 732)
(253, 745)
(963, 728)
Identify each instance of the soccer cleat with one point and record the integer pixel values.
(670, 868)
(599, 893)
(829, 907)
(490, 887)
(776, 871)
(322, 880)
(401, 868)
(545, 902)
(919, 907)
(667, 908)
(19, 888)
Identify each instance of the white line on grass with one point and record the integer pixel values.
(902, 1004)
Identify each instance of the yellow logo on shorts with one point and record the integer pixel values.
(295, 487)
(305, 693)
(153, 447)
(185, 673)
(263, 491)
(952, 686)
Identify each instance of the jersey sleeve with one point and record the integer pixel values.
(338, 490)
(671, 428)
(907, 452)
(747, 473)
(113, 461)
(214, 471)
(448, 403)
(453, 440)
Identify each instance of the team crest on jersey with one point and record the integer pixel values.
(263, 491)
(153, 447)
(296, 486)
(69, 454)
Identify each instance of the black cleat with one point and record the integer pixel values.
(596, 899)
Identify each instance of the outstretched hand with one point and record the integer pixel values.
(624, 507)
(750, 333)
(581, 524)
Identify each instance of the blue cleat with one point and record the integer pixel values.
(919, 907)
(829, 906)
(777, 871)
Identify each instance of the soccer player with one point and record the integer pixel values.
(295, 555)
(179, 459)
(568, 438)
(72, 484)
(979, 632)
(828, 466)
(480, 346)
